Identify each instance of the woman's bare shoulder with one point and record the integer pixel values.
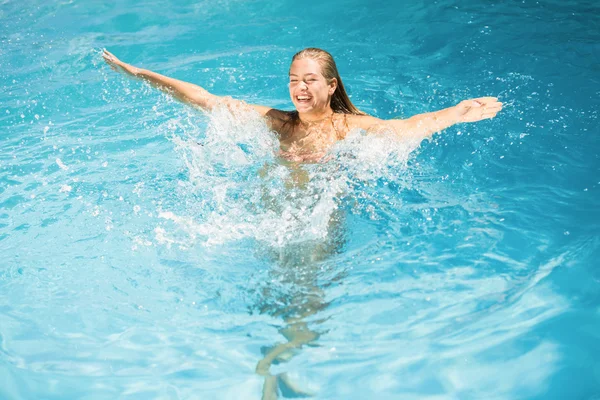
(279, 115)
(272, 113)
(362, 121)
(276, 119)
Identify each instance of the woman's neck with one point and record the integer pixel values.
(316, 116)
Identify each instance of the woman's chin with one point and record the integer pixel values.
(304, 108)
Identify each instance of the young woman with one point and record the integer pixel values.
(324, 114)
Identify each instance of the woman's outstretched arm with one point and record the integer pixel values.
(190, 93)
(422, 126)
(183, 91)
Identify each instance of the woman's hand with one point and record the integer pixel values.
(117, 64)
(474, 110)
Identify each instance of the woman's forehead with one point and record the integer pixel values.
(305, 66)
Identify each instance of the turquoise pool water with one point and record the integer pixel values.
(137, 264)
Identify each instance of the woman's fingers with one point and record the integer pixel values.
(497, 106)
(486, 100)
(110, 58)
(478, 109)
(489, 103)
(490, 111)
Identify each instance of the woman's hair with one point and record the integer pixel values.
(339, 100)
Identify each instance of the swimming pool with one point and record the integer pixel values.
(139, 264)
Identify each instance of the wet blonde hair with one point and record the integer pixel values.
(340, 102)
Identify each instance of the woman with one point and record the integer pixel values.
(324, 113)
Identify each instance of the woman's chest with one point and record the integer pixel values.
(308, 139)
(311, 137)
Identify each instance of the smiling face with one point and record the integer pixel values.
(310, 91)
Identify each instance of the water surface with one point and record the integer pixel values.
(139, 264)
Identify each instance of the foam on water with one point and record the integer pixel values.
(245, 191)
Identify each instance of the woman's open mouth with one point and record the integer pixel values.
(303, 98)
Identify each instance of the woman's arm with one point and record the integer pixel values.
(422, 126)
(190, 93)
(183, 91)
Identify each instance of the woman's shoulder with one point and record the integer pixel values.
(279, 115)
(280, 121)
(363, 121)
(273, 113)
(276, 119)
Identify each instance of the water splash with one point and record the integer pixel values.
(241, 189)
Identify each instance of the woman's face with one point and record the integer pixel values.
(309, 90)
